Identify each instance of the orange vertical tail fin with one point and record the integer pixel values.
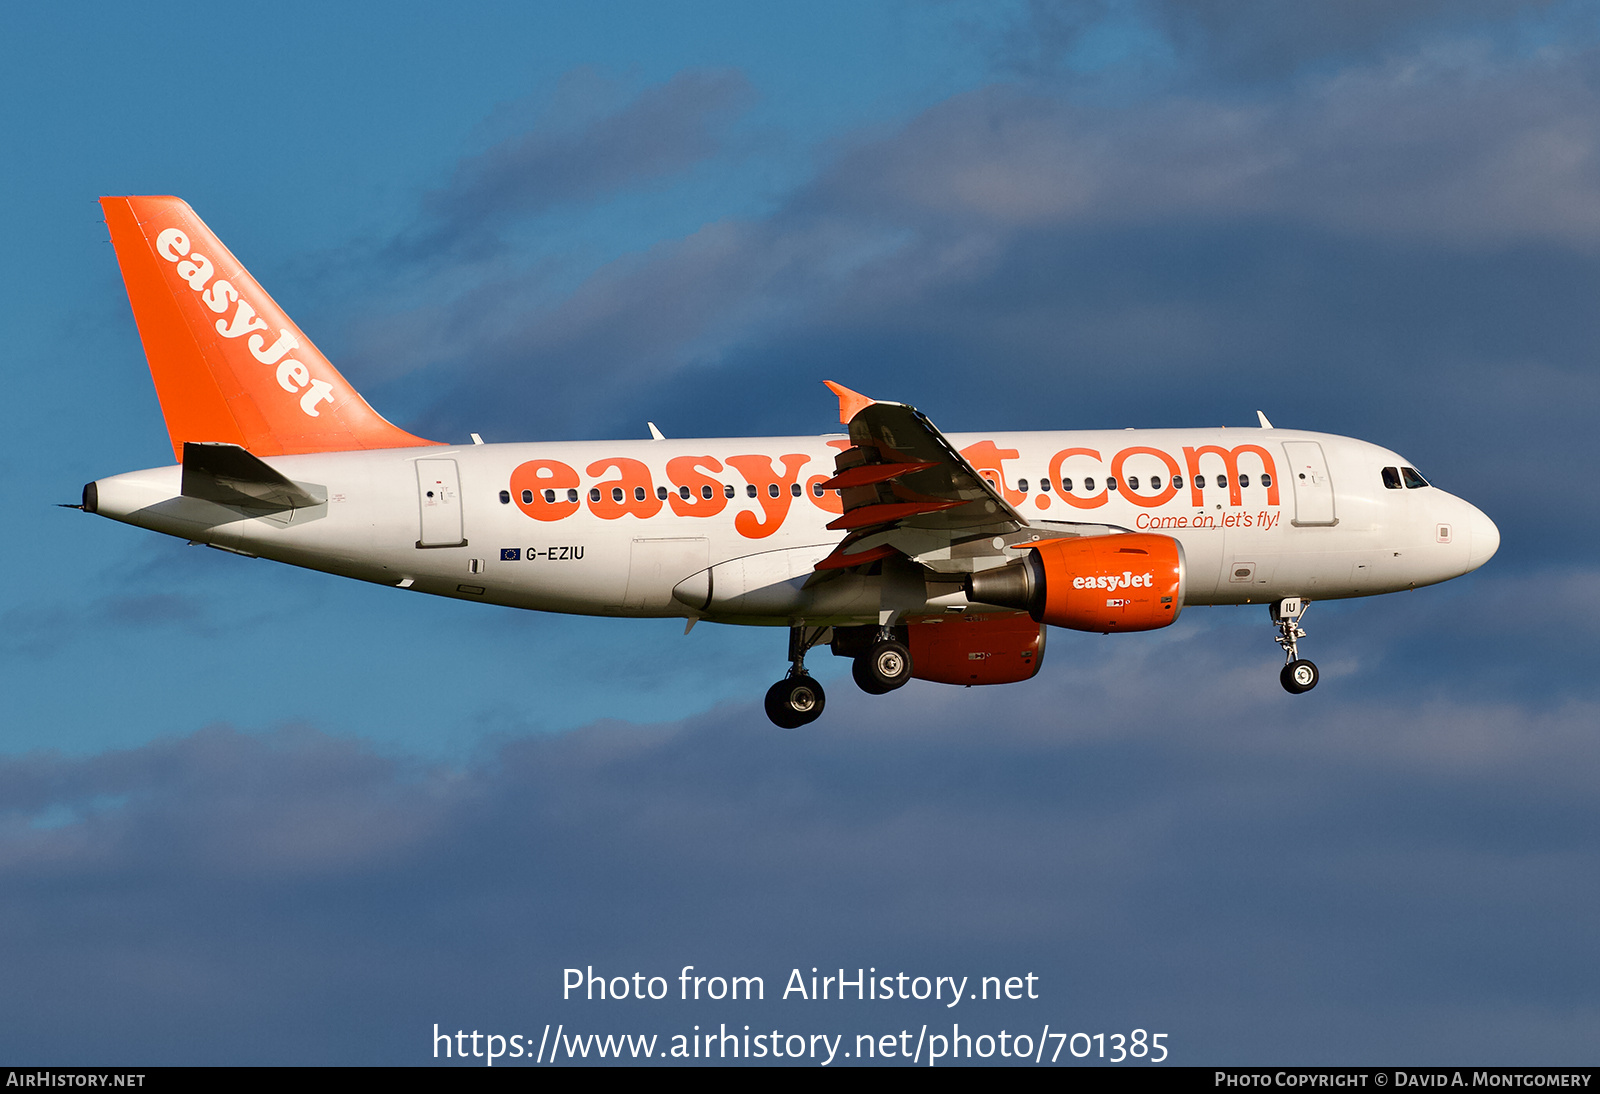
(228, 364)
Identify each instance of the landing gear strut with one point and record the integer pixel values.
(1298, 675)
(797, 699)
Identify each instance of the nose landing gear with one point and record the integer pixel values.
(797, 699)
(1298, 675)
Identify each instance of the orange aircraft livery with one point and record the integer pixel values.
(915, 553)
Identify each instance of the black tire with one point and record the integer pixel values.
(795, 701)
(863, 677)
(1299, 677)
(886, 666)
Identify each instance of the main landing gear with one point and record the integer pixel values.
(882, 662)
(797, 699)
(885, 665)
(1298, 675)
(881, 656)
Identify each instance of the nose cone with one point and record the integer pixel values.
(1485, 539)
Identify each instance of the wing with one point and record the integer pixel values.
(907, 491)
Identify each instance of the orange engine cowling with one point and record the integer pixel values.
(1123, 582)
(976, 649)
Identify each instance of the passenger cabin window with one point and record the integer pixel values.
(705, 492)
(683, 492)
(1133, 482)
(1177, 482)
(1266, 479)
(728, 491)
(1155, 482)
(572, 495)
(772, 489)
(1413, 478)
(1391, 478)
(1111, 482)
(1244, 480)
(1066, 486)
(1222, 482)
(527, 497)
(1022, 486)
(751, 490)
(1199, 482)
(594, 494)
(616, 493)
(1044, 486)
(505, 497)
(1088, 485)
(549, 496)
(816, 490)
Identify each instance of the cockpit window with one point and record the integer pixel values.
(1391, 478)
(1413, 478)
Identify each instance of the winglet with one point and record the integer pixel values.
(1264, 423)
(851, 403)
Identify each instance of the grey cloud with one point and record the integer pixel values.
(1229, 42)
(662, 131)
(1447, 164)
(1453, 150)
(1152, 826)
(1260, 39)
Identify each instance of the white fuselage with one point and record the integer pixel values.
(1325, 527)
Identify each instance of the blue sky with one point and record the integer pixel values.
(254, 814)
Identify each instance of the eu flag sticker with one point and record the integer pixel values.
(510, 554)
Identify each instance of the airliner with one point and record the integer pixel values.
(915, 553)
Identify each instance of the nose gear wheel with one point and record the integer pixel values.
(1299, 675)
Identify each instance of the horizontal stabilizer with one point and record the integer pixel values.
(228, 475)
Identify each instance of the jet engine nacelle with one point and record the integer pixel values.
(1123, 582)
(976, 649)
